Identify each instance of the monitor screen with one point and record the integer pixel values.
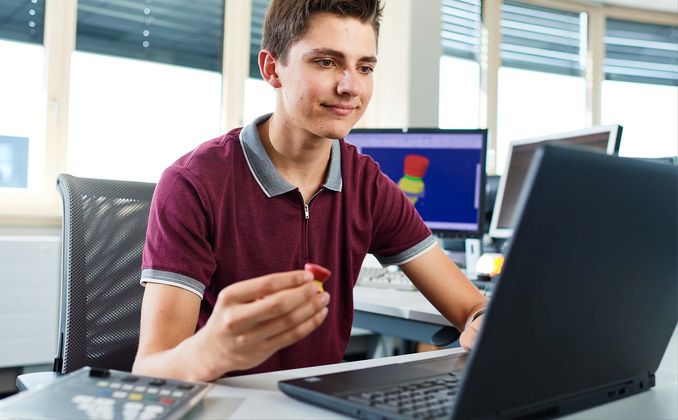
(441, 172)
(603, 138)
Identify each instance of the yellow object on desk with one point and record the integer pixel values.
(490, 265)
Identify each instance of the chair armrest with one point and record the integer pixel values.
(35, 380)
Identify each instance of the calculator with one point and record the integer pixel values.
(92, 393)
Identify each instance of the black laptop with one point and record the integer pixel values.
(581, 315)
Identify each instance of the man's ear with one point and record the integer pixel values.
(267, 68)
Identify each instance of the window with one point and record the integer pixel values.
(541, 85)
(459, 96)
(259, 8)
(22, 101)
(259, 95)
(145, 85)
(640, 90)
(13, 162)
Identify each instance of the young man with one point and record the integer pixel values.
(233, 222)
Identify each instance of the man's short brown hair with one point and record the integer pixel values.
(287, 20)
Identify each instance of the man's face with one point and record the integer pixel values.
(326, 83)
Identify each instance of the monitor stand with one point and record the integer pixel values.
(464, 253)
(473, 250)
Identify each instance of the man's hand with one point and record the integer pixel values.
(470, 334)
(253, 319)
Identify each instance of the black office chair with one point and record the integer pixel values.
(104, 229)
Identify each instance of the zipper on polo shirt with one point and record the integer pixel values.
(307, 206)
(307, 216)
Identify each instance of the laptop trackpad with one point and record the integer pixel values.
(446, 364)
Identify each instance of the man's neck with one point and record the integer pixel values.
(300, 157)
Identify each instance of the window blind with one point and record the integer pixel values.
(181, 32)
(460, 31)
(542, 39)
(641, 52)
(22, 20)
(259, 8)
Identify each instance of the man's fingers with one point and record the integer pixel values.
(247, 316)
(252, 289)
(470, 334)
(299, 332)
(289, 321)
(467, 338)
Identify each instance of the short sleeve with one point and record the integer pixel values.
(178, 249)
(399, 233)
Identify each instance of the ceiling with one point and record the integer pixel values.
(660, 5)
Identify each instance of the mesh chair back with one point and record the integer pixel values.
(104, 229)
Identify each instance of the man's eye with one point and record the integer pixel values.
(325, 63)
(366, 69)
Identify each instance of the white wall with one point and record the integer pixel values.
(406, 72)
(29, 280)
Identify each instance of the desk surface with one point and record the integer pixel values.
(410, 305)
(257, 396)
(399, 313)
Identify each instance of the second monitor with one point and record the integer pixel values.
(604, 138)
(441, 171)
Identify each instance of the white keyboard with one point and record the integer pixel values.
(373, 274)
(393, 278)
(385, 277)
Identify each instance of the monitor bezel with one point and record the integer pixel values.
(613, 144)
(444, 233)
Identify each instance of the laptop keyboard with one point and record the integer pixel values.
(431, 397)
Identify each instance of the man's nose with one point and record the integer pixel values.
(349, 84)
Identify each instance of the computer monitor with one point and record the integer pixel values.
(442, 171)
(604, 138)
(669, 160)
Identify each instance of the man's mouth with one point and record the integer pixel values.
(340, 109)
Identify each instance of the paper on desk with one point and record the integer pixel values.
(212, 407)
(258, 404)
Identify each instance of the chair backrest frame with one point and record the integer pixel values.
(104, 229)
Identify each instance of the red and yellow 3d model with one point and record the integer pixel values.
(320, 274)
(412, 183)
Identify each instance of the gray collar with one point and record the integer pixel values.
(266, 174)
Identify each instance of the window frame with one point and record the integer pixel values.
(23, 208)
(593, 74)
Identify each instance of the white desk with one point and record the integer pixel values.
(410, 305)
(257, 396)
(405, 314)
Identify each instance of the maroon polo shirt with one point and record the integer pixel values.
(223, 213)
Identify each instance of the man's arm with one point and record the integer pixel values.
(446, 287)
(252, 319)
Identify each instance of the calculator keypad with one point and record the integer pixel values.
(135, 399)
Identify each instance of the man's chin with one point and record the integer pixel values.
(336, 129)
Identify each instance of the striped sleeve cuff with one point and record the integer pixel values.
(409, 254)
(149, 275)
